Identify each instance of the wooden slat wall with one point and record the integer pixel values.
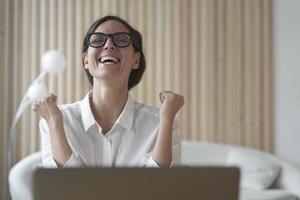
(217, 53)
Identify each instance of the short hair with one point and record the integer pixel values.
(137, 42)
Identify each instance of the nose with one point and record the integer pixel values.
(109, 44)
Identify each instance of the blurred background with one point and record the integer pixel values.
(236, 62)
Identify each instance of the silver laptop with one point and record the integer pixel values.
(196, 183)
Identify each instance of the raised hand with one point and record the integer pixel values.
(47, 109)
(170, 104)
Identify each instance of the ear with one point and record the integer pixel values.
(137, 60)
(85, 60)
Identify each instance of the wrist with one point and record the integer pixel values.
(55, 124)
(167, 120)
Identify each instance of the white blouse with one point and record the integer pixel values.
(129, 143)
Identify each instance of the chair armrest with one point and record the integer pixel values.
(20, 176)
(289, 178)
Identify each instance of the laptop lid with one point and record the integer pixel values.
(207, 183)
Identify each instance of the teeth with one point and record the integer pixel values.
(109, 59)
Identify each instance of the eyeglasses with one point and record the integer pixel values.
(119, 39)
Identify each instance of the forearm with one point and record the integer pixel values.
(61, 150)
(162, 152)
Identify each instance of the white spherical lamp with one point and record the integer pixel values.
(53, 61)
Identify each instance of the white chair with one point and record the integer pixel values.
(20, 177)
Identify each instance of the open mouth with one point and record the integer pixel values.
(109, 60)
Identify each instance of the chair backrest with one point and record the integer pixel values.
(204, 153)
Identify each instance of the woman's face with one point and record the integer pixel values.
(110, 62)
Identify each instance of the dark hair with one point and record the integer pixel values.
(136, 74)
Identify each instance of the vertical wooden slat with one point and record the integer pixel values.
(150, 50)
(257, 73)
(97, 9)
(220, 65)
(106, 7)
(140, 22)
(3, 118)
(224, 65)
(261, 111)
(194, 68)
(132, 12)
(88, 20)
(35, 69)
(61, 40)
(185, 69)
(234, 76)
(4, 87)
(268, 104)
(124, 8)
(78, 37)
(115, 9)
(179, 58)
(44, 34)
(230, 71)
(158, 51)
(246, 73)
(198, 87)
(52, 40)
(141, 9)
(2, 136)
(168, 40)
(70, 51)
(26, 59)
(203, 66)
(240, 56)
(250, 78)
(17, 73)
(211, 89)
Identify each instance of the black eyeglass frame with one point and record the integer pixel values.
(112, 37)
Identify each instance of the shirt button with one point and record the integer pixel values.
(106, 140)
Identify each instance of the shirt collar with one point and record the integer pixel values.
(125, 119)
(86, 113)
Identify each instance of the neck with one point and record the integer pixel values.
(107, 103)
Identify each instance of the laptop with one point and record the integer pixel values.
(183, 183)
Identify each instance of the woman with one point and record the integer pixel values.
(107, 127)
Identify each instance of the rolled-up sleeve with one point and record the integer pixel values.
(47, 158)
(151, 163)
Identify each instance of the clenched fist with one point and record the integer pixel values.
(47, 109)
(170, 104)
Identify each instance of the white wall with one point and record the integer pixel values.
(287, 79)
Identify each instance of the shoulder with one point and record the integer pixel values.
(146, 117)
(71, 107)
(71, 111)
(146, 110)
(146, 114)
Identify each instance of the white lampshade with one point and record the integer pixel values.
(53, 61)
